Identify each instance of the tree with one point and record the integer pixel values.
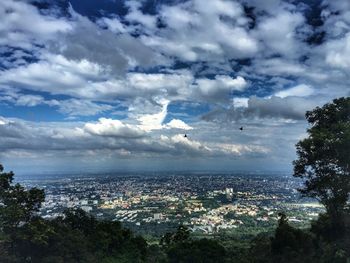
(289, 239)
(324, 157)
(17, 205)
(182, 234)
(197, 251)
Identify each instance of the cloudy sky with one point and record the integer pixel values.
(102, 85)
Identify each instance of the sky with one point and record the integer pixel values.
(114, 85)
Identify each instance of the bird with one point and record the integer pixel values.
(241, 128)
(185, 135)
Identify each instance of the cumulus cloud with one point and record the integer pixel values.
(279, 33)
(106, 134)
(2, 121)
(335, 15)
(178, 124)
(195, 31)
(112, 24)
(62, 76)
(87, 41)
(240, 149)
(338, 52)
(29, 100)
(10, 130)
(220, 87)
(149, 122)
(301, 90)
(87, 80)
(135, 15)
(109, 135)
(182, 144)
(240, 102)
(22, 25)
(113, 128)
(283, 67)
(155, 121)
(173, 85)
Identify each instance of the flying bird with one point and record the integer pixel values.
(185, 135)
(241, 128)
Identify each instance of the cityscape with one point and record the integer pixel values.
(155, 203)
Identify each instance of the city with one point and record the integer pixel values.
(155, 203)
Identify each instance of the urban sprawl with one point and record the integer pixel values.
(156, 203)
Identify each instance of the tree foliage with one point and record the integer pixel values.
(180, 247)
(182, 234)
(324, 156)
(200, 251)
(17, 205)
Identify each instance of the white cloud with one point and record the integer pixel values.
(113, 128)
(284, 67)
(301, 90)
(278, 33)
(87, 80)
(338, 25)
(178, 124)
(220, 87)
(135, 15)
(149, 122)
(338, 52)
(219, 7)
(174, 85)
(240, 149)
(21, 24)
(240, 102)
(119, 52)
(199, 32)
(62, 76)
(183, 144)
(3, 121)
(279, 66)
(29, 100)
(73, 139)
(113, 24)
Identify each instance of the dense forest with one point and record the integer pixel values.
(323, 162)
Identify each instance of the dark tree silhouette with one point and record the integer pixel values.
(324, 158)
(182, 234)
(18, 208)
(17, 205)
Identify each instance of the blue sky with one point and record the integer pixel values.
(105, 85)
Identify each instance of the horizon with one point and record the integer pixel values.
(129, 86)
(87, 173)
